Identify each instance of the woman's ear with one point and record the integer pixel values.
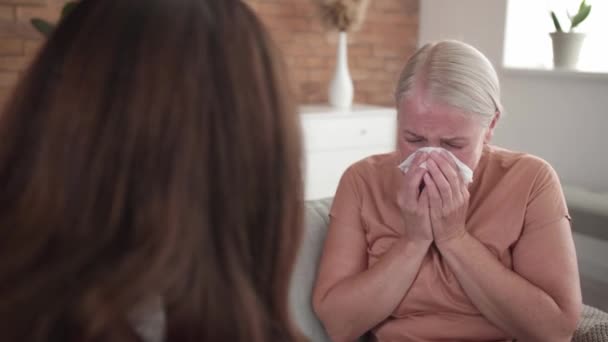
(490, 131)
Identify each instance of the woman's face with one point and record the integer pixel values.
(424, 124)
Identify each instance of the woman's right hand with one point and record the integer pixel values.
(414, 202)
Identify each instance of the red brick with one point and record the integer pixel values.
(381, 98)
(32, 46)
(360, 50)
(23, 2)
(360, 75)
(375, 64)
(5, 92)
(322, 75)
(385, 19)
(15, 63)
(7, 12)
(298, 62)
(360, 96)
(311, 39)
(11, 47)
(274, 9)
(17, 29)
(299, 75)
(317, 62)
(394, 65)
(371, 86)
(295, 24)
(297, 50)
(380, 51)
(389, 6)
(8, 78)
(305, 8)
(49, 13)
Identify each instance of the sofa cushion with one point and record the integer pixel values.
(305, 271)
(593, 326)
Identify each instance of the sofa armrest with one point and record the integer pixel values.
(589, 212)
(593, 326)
(305, 270)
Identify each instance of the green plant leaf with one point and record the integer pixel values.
(67, 8)
(42, 26)
(558, 27)
(582, 5)
(583, 13)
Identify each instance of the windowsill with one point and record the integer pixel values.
(556, 73)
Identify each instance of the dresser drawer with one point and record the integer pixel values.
(334, 139)
(337, 132)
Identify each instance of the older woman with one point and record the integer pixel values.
(423, 255)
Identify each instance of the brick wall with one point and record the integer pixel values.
(376, 52)
(19, 42)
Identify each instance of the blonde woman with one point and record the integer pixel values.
(428, 255)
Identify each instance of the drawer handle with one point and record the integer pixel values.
(363, 132)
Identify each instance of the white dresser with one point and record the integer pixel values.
(334, 139)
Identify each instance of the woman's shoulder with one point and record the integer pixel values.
(508, 159)
(363, 181)
(374, 166)
(520, 164)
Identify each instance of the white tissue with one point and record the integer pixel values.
(465, 171)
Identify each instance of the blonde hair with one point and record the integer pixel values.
(455, 74)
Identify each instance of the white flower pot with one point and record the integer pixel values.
(566, 49)
(341, 87)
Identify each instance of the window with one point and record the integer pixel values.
(527, 40)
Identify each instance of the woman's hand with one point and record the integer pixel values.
(413, 200)
(448, 197)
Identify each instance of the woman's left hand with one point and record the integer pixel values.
(448, 197)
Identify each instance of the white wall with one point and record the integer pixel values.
(560, 117)
(477, 22)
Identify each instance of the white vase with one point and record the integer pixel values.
(341, 87)
(566, 49)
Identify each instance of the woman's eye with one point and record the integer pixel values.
(413, 141)
(453, 146)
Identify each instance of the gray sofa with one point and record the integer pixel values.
(589, 212)
(593, 326)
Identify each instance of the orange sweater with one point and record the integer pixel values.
(513, 197)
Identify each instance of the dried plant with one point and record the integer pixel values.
(342, 15)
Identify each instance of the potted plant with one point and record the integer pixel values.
(567, 45)
(342, 16)
(47, 28)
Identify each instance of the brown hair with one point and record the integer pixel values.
(152, 149)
